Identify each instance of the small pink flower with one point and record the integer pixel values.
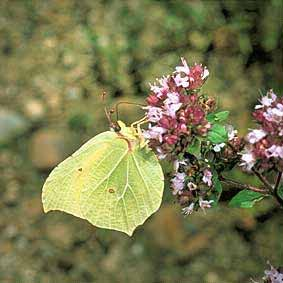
(278, 111)
(255, 135)
(155, 88)
(188, 209)
(164, 82)
(207, 176)
(185, 68)
(274, 114)
(178, 183)
(267, 100)
(273, 275)
(272, 94)
(248, 160)
(205, 73)
(154, 114)
(172, 98)
(205, 203)
(154, 132)
(171, 109)
(274, 151)
(161, 89)
(181, 81)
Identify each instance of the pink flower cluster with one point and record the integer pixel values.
(174, 109)
(264, 149)
(177, 115)
(273, 275)
(190, 183)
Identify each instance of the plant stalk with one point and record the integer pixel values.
(243, 186)
(276, 188)
(263, 180)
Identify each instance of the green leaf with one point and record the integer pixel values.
(246, 199)
(217, 189)
(195, 147)
(217, 117)
(217, 134)
(110, 181)
(280, 192)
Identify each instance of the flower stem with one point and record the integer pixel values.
(276, 188)
(243, 186)
(277, 183)
(263, 180)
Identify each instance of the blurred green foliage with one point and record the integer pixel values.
(57, 57)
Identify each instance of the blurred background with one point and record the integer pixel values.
(56, 58)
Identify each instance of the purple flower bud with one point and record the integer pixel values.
(170, 139)
(152, 100)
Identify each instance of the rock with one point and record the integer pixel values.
(34, 109)
(12, 124)
(48, 147)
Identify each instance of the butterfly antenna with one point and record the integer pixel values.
(108, 113)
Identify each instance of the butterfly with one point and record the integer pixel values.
(114, 181)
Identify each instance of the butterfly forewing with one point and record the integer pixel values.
(108, 183)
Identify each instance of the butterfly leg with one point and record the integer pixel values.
(143, 142)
